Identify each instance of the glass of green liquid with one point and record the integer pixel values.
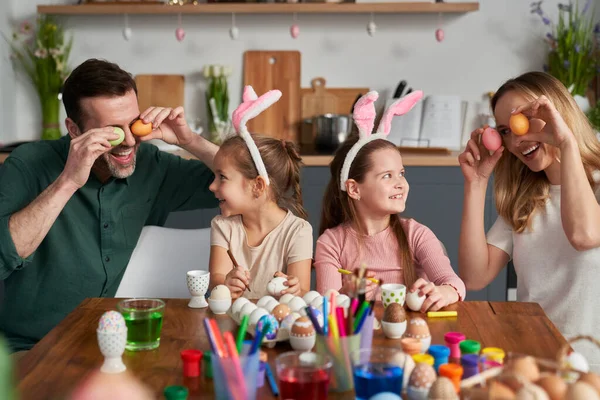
(144, 319)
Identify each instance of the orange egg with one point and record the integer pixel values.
(139, 128)
(519, 124)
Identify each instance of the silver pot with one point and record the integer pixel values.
(330, 130)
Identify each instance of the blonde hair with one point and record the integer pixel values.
(519, 191)
(282, 162)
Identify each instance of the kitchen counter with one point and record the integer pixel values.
(311, 159)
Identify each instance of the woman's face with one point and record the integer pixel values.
(536, 156)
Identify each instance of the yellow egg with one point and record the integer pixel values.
(139, 128)
(519, 124)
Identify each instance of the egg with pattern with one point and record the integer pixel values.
(421, 380)
(280, 312)
(302, 335)
(288, 321)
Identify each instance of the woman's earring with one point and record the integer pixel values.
(358, 198)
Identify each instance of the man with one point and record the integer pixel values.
(71, 210)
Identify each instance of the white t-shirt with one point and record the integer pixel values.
(551, 272)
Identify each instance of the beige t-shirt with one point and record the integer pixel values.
(291, 241)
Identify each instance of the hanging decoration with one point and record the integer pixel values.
(371, 26)
(295, 29)
(126, 29)
(439, 32)
(179, 32)
(234, 32)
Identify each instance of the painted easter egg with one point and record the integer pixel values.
(491, 139)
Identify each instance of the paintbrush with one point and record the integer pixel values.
(235, 264)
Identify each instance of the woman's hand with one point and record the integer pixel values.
(546, 123)
(437, 296)
(237, 280)
(292, 283)
(476, 162)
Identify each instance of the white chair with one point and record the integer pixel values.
(160, 261)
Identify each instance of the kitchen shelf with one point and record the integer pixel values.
(257, 8)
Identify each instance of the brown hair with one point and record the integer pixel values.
(94, 78)
(338, 207)
(282, 161)
(519, 191)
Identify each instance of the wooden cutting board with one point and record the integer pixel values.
(317, 100)
(160, 90)
(267, 70)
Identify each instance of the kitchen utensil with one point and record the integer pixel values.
(399, 89)
(267, 70)
(330, 130)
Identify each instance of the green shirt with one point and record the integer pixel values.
(87, 249)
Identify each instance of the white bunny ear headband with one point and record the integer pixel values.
(251, 106)
(364, 117)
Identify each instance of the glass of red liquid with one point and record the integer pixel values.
(303, 375)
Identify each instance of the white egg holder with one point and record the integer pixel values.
(283, 334)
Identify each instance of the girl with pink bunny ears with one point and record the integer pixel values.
(262, 221)
(360, 222)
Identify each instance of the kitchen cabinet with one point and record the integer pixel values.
(435, 200)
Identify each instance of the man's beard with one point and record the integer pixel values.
(118, 171)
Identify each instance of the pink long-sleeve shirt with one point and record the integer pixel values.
(339, 248)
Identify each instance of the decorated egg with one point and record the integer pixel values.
(491, 139)
(247, 309)
(139, 128)
(280, 312)
(576, 361)
(112, 322)
(519, 124)
(443, 389)
(414, 301)
(302, 327)
(234, 32)
(394, 313)
(294, 31)
(127, 33)
(439, 35)
(421, 380)
(310, 296)
(276, 286)
(296, 304)
(286, 298)
(256, 315)
(273, 326)
(417, 328)
(262, 302)
(288, 321)
(179, 34)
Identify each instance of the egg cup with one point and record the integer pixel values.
(219, 307)
(303, 343)
(197, 284)
(393, 330)
(112, 346)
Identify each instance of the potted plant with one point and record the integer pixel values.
(217, 101)
(573, 57)
(42, 53)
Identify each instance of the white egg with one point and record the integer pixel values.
(276, 285)
(296, 304)
(310, 296)
(342, 301)
(271, 305)
(264, 300)
(414, 301)
(286, 298)
(371, 28)
(237, 305)
(317, 302)
(329, 291)
(256, 315)
(247, 310)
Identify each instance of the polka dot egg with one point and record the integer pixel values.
(273, 326)
(280, 312)
(302, 327)
(422, 376)
(112, 322)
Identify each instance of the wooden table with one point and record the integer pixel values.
(59, 361)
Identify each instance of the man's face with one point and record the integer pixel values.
(120, 111)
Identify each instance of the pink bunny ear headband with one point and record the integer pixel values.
(252, 106)
(364, 117)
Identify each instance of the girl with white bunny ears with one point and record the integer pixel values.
(257, 182)
(360, 222)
